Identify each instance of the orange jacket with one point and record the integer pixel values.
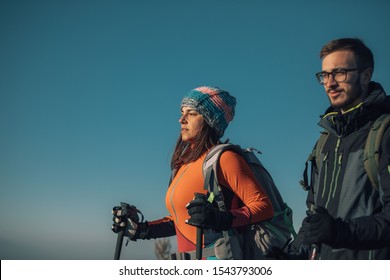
(250, 203)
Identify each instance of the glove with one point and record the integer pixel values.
(204, 215)
(126, 219)
(320, 227)
(305, 227)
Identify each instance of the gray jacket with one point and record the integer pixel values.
(341, 185)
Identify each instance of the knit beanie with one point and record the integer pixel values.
(214, 104)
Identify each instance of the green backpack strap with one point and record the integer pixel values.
(319, 146)
(315, 155)
(372, 148)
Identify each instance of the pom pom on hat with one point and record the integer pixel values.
(214, 104)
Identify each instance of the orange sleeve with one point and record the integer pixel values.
(235, 174)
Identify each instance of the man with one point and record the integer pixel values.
(347, 218)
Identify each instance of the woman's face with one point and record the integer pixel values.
(191, 124)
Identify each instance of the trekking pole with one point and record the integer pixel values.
(199, 239)
(121, 235)
(119, 242)
(315, 248)
(314, 252)
(199, 233)
(129, 211)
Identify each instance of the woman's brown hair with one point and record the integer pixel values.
(185, 152)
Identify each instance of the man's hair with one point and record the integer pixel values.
(364, 56)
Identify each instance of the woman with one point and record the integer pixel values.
(205, 114)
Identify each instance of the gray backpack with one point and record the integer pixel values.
(256, 241)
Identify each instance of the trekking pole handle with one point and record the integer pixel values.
(121, 235)
(133, 212)
(199, 233)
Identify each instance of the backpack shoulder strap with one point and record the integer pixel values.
(210, 171)
(372, 148)
(314, 156)
(319, 146)
(210, 175)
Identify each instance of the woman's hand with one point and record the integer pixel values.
(204, 215)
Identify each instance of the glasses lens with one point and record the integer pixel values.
(340, 75)
(320, 77)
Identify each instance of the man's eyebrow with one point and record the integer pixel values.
(334, 69)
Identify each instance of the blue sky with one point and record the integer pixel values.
(90, 94)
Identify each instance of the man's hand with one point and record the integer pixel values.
(320, 227)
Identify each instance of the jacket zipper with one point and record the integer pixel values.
(338, 173)
(173, 190)
(335, 172)
(325, 162)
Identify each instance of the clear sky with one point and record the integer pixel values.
(90, 94)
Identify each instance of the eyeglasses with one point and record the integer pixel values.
(339, 75)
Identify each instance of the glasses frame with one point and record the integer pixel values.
(333, 74)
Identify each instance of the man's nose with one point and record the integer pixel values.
(331, 81)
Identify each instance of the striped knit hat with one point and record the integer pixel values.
(214, 104)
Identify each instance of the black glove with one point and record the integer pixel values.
(204, 215)
(126, 219)
(320, 227)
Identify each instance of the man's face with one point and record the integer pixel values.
(349, 93)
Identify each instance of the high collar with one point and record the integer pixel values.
(375, 104)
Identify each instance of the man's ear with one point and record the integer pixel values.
(366, 76)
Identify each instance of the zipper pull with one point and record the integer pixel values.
(340, 158)
(325, 157)
(338, 144)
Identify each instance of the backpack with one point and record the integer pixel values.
(371, 151)
(261, 236)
